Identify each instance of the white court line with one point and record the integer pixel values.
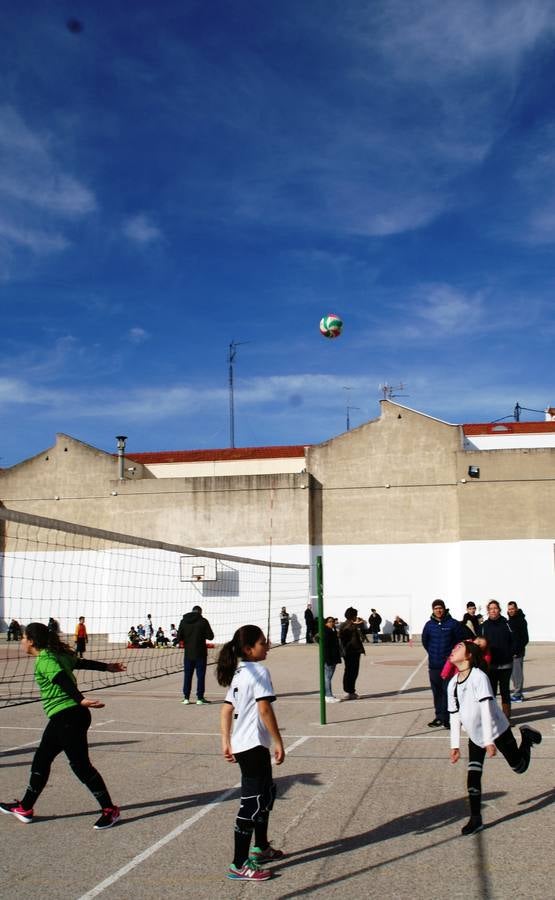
(19, 747)
(137, 860)
(409, 679)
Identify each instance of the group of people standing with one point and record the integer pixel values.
(505, 641)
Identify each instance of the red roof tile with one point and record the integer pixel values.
(230, 453)
(510, 428)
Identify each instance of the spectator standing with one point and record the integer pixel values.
(374, 625)
(519, 628)
(471, 620)
(194, 631)
(332, 657)
(351, 642)
(439, 635)
(310, 624)
(284, 622)
(149, 629)
(500, 640)
(81, 637)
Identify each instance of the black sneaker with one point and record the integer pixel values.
(108, 818)
(530, 735)
(437, 723)
(473, 825)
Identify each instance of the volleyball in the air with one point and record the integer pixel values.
(331, 326)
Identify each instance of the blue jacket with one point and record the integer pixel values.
(439, 636)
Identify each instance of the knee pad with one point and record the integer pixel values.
(250, 809)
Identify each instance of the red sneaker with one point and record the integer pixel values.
(15, 809)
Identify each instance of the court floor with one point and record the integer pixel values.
(368, 804)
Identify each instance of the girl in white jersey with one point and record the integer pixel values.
(248, 707)
(471, 703)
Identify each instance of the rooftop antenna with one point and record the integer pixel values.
(516, 413)
(389, 391)
(349, 408)
(231, 359)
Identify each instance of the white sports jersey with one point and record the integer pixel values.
(251, 683)
(475, 708)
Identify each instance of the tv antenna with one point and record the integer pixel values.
(389, 391)
(348, 407)
(231, 359)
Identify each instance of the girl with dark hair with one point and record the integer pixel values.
(471, 703)
(248, 707)
(69, 719)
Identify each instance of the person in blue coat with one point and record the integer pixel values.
(440, 634)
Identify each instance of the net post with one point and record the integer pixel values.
(320, 591)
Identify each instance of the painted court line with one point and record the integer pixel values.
(19, 747)
(409, 679)
(188, 823)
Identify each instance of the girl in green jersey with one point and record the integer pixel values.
(69, 720)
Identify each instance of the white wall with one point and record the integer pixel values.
(403, 579)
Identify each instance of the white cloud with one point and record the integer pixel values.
(140, 230)
(137, 335)
(39, 199)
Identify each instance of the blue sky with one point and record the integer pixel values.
(180, 175)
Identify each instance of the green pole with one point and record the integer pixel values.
(320, 590)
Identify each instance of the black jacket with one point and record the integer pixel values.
(332, 651)
(194, 631)
(500, 640)
(519, 630)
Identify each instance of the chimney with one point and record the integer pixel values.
(121, 439)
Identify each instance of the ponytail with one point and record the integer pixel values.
(233, 651)
(44, 639)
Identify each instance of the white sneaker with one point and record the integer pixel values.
(332, 700)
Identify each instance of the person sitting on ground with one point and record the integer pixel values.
(14, 631)
(400, 630)
(161, 639)
(173, 635)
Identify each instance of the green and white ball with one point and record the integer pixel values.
(331, 326)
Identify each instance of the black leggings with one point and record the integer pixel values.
(257, 799)
(501, 678)
(350, 672)
(517, 757)
(66, 731)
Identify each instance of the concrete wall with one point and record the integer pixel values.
(389, 505)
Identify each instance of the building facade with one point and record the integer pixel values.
(403, 509)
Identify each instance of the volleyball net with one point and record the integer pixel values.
(55, 571)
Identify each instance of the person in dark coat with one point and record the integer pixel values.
(439, 636)
(332, 657)
(501, 646)
(374, 625)
(194, 631)
(351, 642)
(471, 620)
(310, 624)
(519, 629)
